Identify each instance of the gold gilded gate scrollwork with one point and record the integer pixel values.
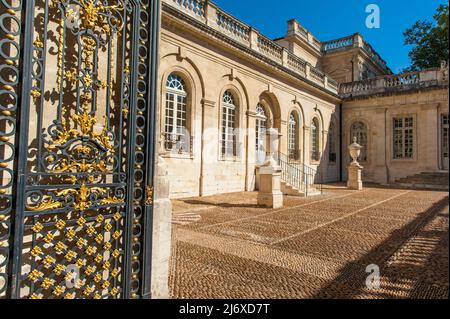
(78, 181)
(80, 127)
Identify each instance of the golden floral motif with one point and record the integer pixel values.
(71, 75)
(87, 80)
(47, 203)
(85, 123)
(35, 94)
(90, 15)
(82, 200)
(149, 195)
(38, 43)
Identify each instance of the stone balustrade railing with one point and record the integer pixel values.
(396, 83)
(211, 15)
(296, 64)
(193, 7)
(354, 41)
(374, 55)
(236, 28)
(270, 48)
(294, 27)
(337, 44)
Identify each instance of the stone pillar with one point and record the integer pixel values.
(307, 70)
(354, 177)
(354, 169)
(254, 39)
(285, 57)
(211, 14)
(162, 232)
(270, 194)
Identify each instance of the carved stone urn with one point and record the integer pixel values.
(270, 194)
(272, 142)
(354, 169)
(355, 151)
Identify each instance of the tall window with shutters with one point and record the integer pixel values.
(261, 126)
(228, 138)
(293, 151)
(176, 135)
(403, 137)
(315, 142)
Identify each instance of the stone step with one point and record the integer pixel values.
(423, 186)
(425, 180)
(288, 189)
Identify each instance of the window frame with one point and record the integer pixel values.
(403, 129)
(261, 120)
(181, 100)
(315, 140)
(332, 149)
(228, 110)
(293, 136)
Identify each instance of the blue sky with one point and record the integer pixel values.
(330, 19)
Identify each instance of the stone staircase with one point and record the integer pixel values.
(298, 179)
(426, 180)
(290, 190)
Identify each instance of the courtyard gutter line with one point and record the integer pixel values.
(338, 219)
(278, 211)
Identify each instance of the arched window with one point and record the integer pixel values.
(228, 140)
(176, 135)
(293, 137)
(261, 126)
(332, 158)
(359, 130)
(315, 142)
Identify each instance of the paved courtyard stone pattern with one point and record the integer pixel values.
(225, 246)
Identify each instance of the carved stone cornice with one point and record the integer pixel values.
(209, 103)
(181, 17)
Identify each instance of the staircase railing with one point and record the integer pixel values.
(299, 175)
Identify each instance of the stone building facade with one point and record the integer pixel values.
(222, 83)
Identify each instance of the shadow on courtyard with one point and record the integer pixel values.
(418, 270)
(220, 204)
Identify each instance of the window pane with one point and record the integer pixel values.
(228, 138)
(403, 137)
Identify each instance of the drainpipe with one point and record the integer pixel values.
(340, 142)
(440, 164)
(247, 150)
(202, 144)
(385, 146)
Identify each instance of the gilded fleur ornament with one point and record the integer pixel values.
(91, 18)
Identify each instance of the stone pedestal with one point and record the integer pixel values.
(354, 177)
(270, 194)
(162, 222)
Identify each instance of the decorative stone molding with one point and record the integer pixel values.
(162, 230)
(182, 54)
(394, 84)
(209, 103)
(251, 113)
(241, 36)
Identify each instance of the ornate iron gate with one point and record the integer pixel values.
(76, 147)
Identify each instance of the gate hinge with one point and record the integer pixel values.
(149, 195)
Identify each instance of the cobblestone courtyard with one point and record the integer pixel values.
(226, 247)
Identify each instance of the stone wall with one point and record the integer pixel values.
(425, 106)
(210, 66)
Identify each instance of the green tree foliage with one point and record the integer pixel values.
(430, 41)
